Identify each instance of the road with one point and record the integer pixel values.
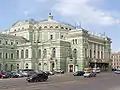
(103, 81)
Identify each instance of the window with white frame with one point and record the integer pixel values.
(22, 53)
(26, 53)
(17, 54)
(51, 37)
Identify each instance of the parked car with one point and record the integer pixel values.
(26, 72)
(5, 75)
(96, 70)
(117, 72)
(0, 75)
(89, 74)
(50, 72)
(78, 73)
(37, 77)
(31, 73)
(59, 71)
(114, 69)
(16, 75)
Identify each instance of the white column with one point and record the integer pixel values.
(92, 50)
(100, 51)
(96, 50)
(29, 53)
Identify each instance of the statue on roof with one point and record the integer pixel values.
(50, 16)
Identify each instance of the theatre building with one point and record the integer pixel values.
(49, 44)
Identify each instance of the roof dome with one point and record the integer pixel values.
(45, 24)
(48, 23)
(19, 23)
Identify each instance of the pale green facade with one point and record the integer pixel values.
(48, 45)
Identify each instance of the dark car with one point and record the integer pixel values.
(79, 73)
(37, 77)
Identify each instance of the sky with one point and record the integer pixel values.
(96, 16)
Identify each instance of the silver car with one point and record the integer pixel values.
(89, 74)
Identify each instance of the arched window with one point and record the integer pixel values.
(40, 28)
(6, 55)
(26, 65)
(17, 66)
(51, 37)
(45, 64)
(11, 67)
(44, 53)
(51, 26)
(39, 64)
(75, 41)
(53, 52)
(39, 53)
(101, 54)
(90, 53)
(26, 53)
(85, 52)
(17, 54)
(22, 53)
(56, 27)
(45, 27)
(75, 53)
(62, 27)
(12, 55)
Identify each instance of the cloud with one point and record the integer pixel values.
(26, 13)
(28, 7)
(85, 12)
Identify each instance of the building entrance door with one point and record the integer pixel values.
(70, 68)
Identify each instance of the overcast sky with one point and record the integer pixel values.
(97, 16)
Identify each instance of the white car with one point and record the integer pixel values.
(96, 70)
(89, 74)
(117, 72)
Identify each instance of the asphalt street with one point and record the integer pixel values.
(103, 81)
